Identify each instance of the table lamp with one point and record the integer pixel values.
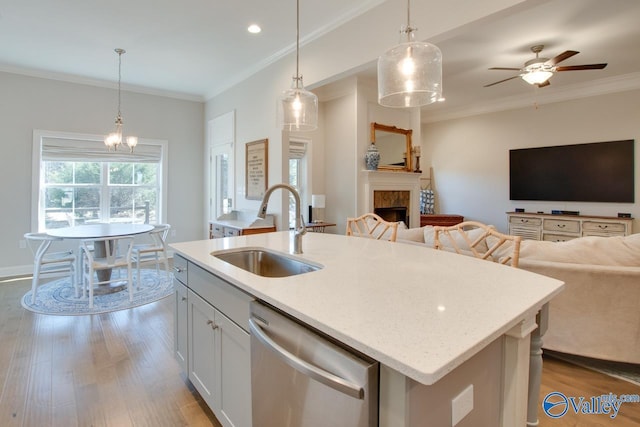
(317, 203)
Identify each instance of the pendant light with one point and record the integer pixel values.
(297, 107)
(114, 139)
(410, 74)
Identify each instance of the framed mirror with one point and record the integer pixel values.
(394, 145)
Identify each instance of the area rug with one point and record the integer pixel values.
(58, 297)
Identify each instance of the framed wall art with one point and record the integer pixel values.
(256, 169)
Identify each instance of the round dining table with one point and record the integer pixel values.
(98, 230)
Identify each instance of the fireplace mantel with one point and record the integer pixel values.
(392, 181)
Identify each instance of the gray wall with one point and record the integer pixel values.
(30, 103)
(470, 156)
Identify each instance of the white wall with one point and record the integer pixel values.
(30, 103)
(333, 56)
(470, 156)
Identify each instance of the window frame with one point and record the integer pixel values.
(40, 135)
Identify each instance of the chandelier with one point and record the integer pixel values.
(114, 139)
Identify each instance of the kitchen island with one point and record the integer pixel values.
(437, 322)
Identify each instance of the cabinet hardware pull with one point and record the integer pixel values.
(602, 227)
(327, 378)
(177, 269)
(213, 325)
(562, 225)
(184, 298)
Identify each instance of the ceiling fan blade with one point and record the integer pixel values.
(581, 67)
(564, 55)
(543, 84)
(495, 83)
(505, 68)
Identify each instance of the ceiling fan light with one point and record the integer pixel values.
(537, 77)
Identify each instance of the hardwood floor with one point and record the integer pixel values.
(117, 369)
(114, 369)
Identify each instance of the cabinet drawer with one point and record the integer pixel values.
(550, 237)
(216, 231)
(180, 268)
(603, 227)
(566, 226)
(525, 232)
(231, 232)
(230, 300)
(525, 221)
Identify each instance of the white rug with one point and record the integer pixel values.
(58, 297)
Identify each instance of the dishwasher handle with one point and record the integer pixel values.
(326, 378)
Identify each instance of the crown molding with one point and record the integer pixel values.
(71, 78)
(598, 87)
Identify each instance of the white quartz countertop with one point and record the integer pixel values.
(419, 311)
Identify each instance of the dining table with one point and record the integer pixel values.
(94, 231)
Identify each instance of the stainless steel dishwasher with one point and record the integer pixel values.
(300, 378)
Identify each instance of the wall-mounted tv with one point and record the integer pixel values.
(594, 172)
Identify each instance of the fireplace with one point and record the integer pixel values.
(392, 205)
(396, 193)
(395, 214)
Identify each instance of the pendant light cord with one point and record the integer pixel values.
(119, 52)
(297, 43)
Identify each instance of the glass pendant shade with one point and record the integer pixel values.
(410, 74)
(537, 77)
(298, 108)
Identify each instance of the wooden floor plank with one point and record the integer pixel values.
(117, 369)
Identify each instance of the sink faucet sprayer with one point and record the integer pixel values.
(300, 229)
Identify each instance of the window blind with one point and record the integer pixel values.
(297, 149)
(64, 149)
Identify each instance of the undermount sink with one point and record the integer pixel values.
(265, 263)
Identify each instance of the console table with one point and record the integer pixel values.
(444, 220)
(560, 228)
(240, 223)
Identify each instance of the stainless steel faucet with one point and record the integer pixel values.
(300, 229)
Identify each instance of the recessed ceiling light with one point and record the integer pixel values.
(254, 29)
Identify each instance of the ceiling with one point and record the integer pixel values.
(74, 40)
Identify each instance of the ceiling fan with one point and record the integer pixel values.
(538, 71)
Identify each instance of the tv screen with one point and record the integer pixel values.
(594, 172)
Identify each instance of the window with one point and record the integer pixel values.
(79, 181)
(297, 177)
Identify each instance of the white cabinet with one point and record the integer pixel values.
(560, 228)
(234, 370)
(218, 344)
(180, 324)
(202, 349)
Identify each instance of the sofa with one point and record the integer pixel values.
(598, 313)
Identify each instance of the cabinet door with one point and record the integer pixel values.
(203, 349)
(180, 340)
(235, 374)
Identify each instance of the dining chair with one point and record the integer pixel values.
(372, 226)
(49, 264)
(479, 240)
(155, 251)
(100, 257)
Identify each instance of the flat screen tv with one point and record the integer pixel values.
(594, 172)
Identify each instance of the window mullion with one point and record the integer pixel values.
(105, 197)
